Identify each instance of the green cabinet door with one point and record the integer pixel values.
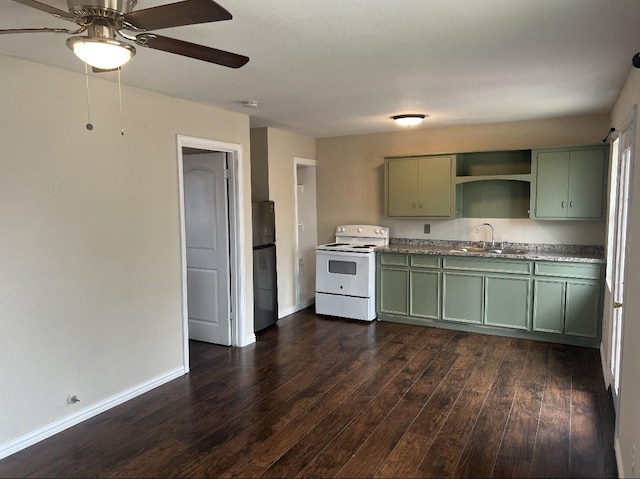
(463, 297)
(507, 302)
(569, 183)
(586, 174)
(582, 309)
(548, 305)
(434, 186)
(424, 294)
(393, 291)
(402, 187)
(552, 183)
(419, 186)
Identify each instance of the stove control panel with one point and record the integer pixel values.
(363, 231)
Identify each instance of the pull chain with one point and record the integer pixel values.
(86, 79)
(121, 110)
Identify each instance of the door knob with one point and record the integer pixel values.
(617, 305)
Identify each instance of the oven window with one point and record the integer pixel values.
(342, 267)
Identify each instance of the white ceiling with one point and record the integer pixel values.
(343, 67)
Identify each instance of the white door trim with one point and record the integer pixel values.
(237, 245)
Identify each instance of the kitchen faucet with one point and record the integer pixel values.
(492, 232)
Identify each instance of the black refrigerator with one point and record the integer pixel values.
(265, 285)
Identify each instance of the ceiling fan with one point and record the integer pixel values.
(104, 20)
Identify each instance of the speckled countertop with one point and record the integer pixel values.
(531, 251)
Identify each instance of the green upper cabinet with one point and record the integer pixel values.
(568, 183)
(420, 186)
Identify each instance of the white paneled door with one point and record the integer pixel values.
(207, 242)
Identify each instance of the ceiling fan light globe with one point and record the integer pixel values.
(101, 53)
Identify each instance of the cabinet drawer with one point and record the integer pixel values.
(394, 259)
(569, 270)
(494, 265)
(425, 261)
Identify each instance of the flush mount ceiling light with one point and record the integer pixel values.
(102, 53)
(408, 120)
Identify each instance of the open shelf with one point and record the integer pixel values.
(493, 184)
(518, 177)
(511, 165)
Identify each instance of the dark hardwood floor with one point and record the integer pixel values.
(327, 397)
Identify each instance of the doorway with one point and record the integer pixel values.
(304, 174)
(232, 223)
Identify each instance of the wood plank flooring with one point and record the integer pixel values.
(328, 397)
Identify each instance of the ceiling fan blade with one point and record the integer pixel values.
(186, 12)
(192, 50)
(36, 30)
(56, 12)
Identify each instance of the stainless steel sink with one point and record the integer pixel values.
(506, 250)
(487, 249)
(470, 249)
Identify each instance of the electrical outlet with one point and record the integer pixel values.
(427, 228)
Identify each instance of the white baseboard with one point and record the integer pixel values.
(247, 340)
(296, 308)
(44, 432)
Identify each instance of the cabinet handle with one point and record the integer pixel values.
(413, 205)
(420, 204)
(571, 204)
(562, 204)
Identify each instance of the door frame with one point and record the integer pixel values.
(237, 247)
(306, 162)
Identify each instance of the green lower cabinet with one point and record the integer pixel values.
(567, 307)
(393, 289)
(548, 306)
(507, 302)
(424, 294)
(463, 297)
(545, 300)
(582, 309)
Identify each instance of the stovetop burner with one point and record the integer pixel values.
(359, 239)
(344, 247)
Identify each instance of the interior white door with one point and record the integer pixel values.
(620, 259)
(207, 245)
(617, 236)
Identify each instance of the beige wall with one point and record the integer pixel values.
(350, 177)
(282, 147)
(628, 432)
(90, 291)
(259, 165)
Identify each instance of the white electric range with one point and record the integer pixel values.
(346, 272)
